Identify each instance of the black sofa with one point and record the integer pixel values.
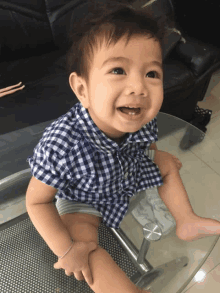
(33, 44)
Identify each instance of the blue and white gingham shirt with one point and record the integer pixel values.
(77, 158)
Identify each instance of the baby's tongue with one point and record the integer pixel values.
(129, 110)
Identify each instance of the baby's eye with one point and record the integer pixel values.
(115, 69)
(157, 74)
(119, 68)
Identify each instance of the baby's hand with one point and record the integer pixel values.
(162, 160)
(177, 161)
(76, 261)
(8, 90)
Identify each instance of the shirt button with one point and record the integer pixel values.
(126, 175)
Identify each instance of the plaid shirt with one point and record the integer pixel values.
(77, 158)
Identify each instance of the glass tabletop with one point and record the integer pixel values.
(200, 174)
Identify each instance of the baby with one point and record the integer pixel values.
(100, 153)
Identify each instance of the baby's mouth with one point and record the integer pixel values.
(130, 111)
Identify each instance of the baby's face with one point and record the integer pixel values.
(135, 81)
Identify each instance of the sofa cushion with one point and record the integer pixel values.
(24, 28)
(198, 56)
(159, 8)
(46, 96)
(29, 70)
(173, 38)
(60, 17)
(177, 77)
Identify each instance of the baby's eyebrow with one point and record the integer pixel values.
(114, 59)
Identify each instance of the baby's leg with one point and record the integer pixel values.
(107, 276)
(189, 226)
(172, 192)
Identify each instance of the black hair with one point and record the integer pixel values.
(109, 21)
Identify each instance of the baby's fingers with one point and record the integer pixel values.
(79, 276)
(88, 275)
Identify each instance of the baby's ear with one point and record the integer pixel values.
(78, 86)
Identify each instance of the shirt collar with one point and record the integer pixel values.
(101, 142)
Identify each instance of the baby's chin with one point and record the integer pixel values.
(131, 129)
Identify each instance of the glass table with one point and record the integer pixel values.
(200, 170)
(200, 175)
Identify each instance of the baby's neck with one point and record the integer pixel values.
(119, 140)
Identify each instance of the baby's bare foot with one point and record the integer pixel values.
(197, 228)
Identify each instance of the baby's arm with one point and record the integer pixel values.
(161, 157)
(45, 217)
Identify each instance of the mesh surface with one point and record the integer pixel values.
(26, 264)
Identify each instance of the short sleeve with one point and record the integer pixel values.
(49, 167)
